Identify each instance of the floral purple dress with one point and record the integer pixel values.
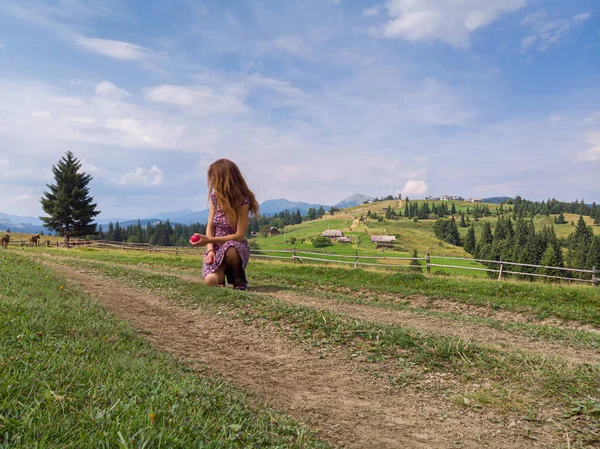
(223, 226)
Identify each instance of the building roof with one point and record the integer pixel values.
(332, 233)
(383, 238)
(345, 240)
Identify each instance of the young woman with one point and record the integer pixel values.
(227, 250)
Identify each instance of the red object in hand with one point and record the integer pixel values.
(194, 238)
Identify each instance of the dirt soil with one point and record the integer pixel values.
(330, 395)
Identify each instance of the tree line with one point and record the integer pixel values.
(528, 208)
(518, 241)
(161, 233)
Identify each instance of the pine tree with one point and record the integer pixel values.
(560, 219)
(415, 265)
(470, 240)
(579, 244)
(463, 223)
(593, 257)
(549, 259)
(117, 235)
(486, 235)
(68, 204)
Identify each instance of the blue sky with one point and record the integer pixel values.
(315, 100)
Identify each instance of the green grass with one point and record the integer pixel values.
(73, 376)
(541, 300)
(263, 275)
(380, 342)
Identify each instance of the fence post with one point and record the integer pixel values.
(356, 261)
(294, 256)
(501, 270)
(594, 278)
(427, 264)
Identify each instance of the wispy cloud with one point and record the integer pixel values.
(108, 89)
(442, 20)
(370, 12)
(200, 100)
(113, 49)
(151, 177)
(547, 29)
(579, 18)
(593, 154)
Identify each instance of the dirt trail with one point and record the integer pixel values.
(439, 326)
(331, 396)
(434, 325)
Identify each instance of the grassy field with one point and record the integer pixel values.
(410, 235)
(540, 386)
(73, 376)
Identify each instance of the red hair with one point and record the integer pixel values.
(226, 180)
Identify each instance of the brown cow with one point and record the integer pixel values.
(5, 240)
(34, 239)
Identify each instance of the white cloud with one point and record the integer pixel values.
(19, 198)
(201, 99)
(1, 45)
(579, 18)
(152, 176)
(445, 20)
(41, 114)
(108, 89)
(4, 161)
(593, 154)
(414, 188)
(370, 12)
(113, 49)
(547, 29)
(528, 41)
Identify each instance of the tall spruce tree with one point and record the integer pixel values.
(470, 240)
(486, 235)
(70, 208)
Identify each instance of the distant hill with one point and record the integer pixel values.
(271, 207)
(354, 200)
(184, 216)
(21, 219)
(497, 199)
(24, 228)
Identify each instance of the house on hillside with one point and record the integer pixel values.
(274, 231)
(332, 234)
(476, 200)
(345, 240)
(384, 241)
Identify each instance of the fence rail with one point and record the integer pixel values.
(296, 256)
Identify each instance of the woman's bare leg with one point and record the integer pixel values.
(216, 278)
(234, 261)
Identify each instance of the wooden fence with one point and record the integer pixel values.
(356, 260)
(503, 268)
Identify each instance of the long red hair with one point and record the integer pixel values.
(226, 181)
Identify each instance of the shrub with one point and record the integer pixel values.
(321, 242)
(292, 240)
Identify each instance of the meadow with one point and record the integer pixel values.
(503, 364)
